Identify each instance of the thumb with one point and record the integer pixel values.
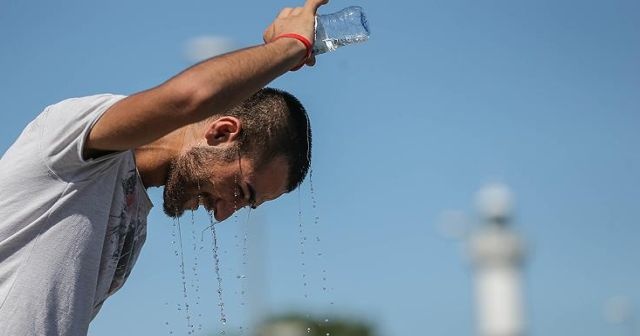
(311, 6)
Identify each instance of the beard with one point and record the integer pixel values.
(187, 173)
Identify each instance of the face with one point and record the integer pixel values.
(209, 177)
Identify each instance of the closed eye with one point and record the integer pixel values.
(249, 195)
(252, 196)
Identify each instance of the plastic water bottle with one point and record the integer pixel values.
(345, 27)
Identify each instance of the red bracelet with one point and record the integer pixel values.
(304, 41)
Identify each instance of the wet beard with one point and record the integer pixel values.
(185, 174)
(174, 193)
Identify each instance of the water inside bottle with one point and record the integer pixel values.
(339, 29)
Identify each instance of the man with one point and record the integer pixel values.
(73, 202)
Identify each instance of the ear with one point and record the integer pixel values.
(223, 130)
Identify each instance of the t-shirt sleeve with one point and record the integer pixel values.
(64, 130)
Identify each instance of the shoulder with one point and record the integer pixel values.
(87, 102)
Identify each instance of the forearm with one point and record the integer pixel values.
(205, 89)
(215, 85)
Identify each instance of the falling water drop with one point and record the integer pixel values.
(170, 332)
(319, 254)
(195, 285)
(183, 275)
(216, 259)
(243, 279)
(303, 238)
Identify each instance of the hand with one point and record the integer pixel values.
(298, 20)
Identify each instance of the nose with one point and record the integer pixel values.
(222, 215)
(224, 210)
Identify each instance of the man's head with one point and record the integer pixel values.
(253, 153)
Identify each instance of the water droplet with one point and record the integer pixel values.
(216, 259)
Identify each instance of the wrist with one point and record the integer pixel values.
(297, 41)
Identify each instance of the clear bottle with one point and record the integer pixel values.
(345, 27)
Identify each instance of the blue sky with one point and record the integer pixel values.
(444, 98)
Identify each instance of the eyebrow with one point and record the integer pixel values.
(252, 196)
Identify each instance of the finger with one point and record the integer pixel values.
(297, 11)
(284, 12)
(312, 6)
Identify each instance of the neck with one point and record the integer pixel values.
(154, 159)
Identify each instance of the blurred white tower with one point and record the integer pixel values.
(497, 254)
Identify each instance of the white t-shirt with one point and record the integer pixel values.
(70, 229)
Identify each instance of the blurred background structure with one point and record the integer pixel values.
(497, 254)
(445, 97)
(294, 325)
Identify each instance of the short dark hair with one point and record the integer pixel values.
(276, 124)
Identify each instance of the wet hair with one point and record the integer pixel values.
(275, 124)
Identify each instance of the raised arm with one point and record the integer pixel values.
(207, 88)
